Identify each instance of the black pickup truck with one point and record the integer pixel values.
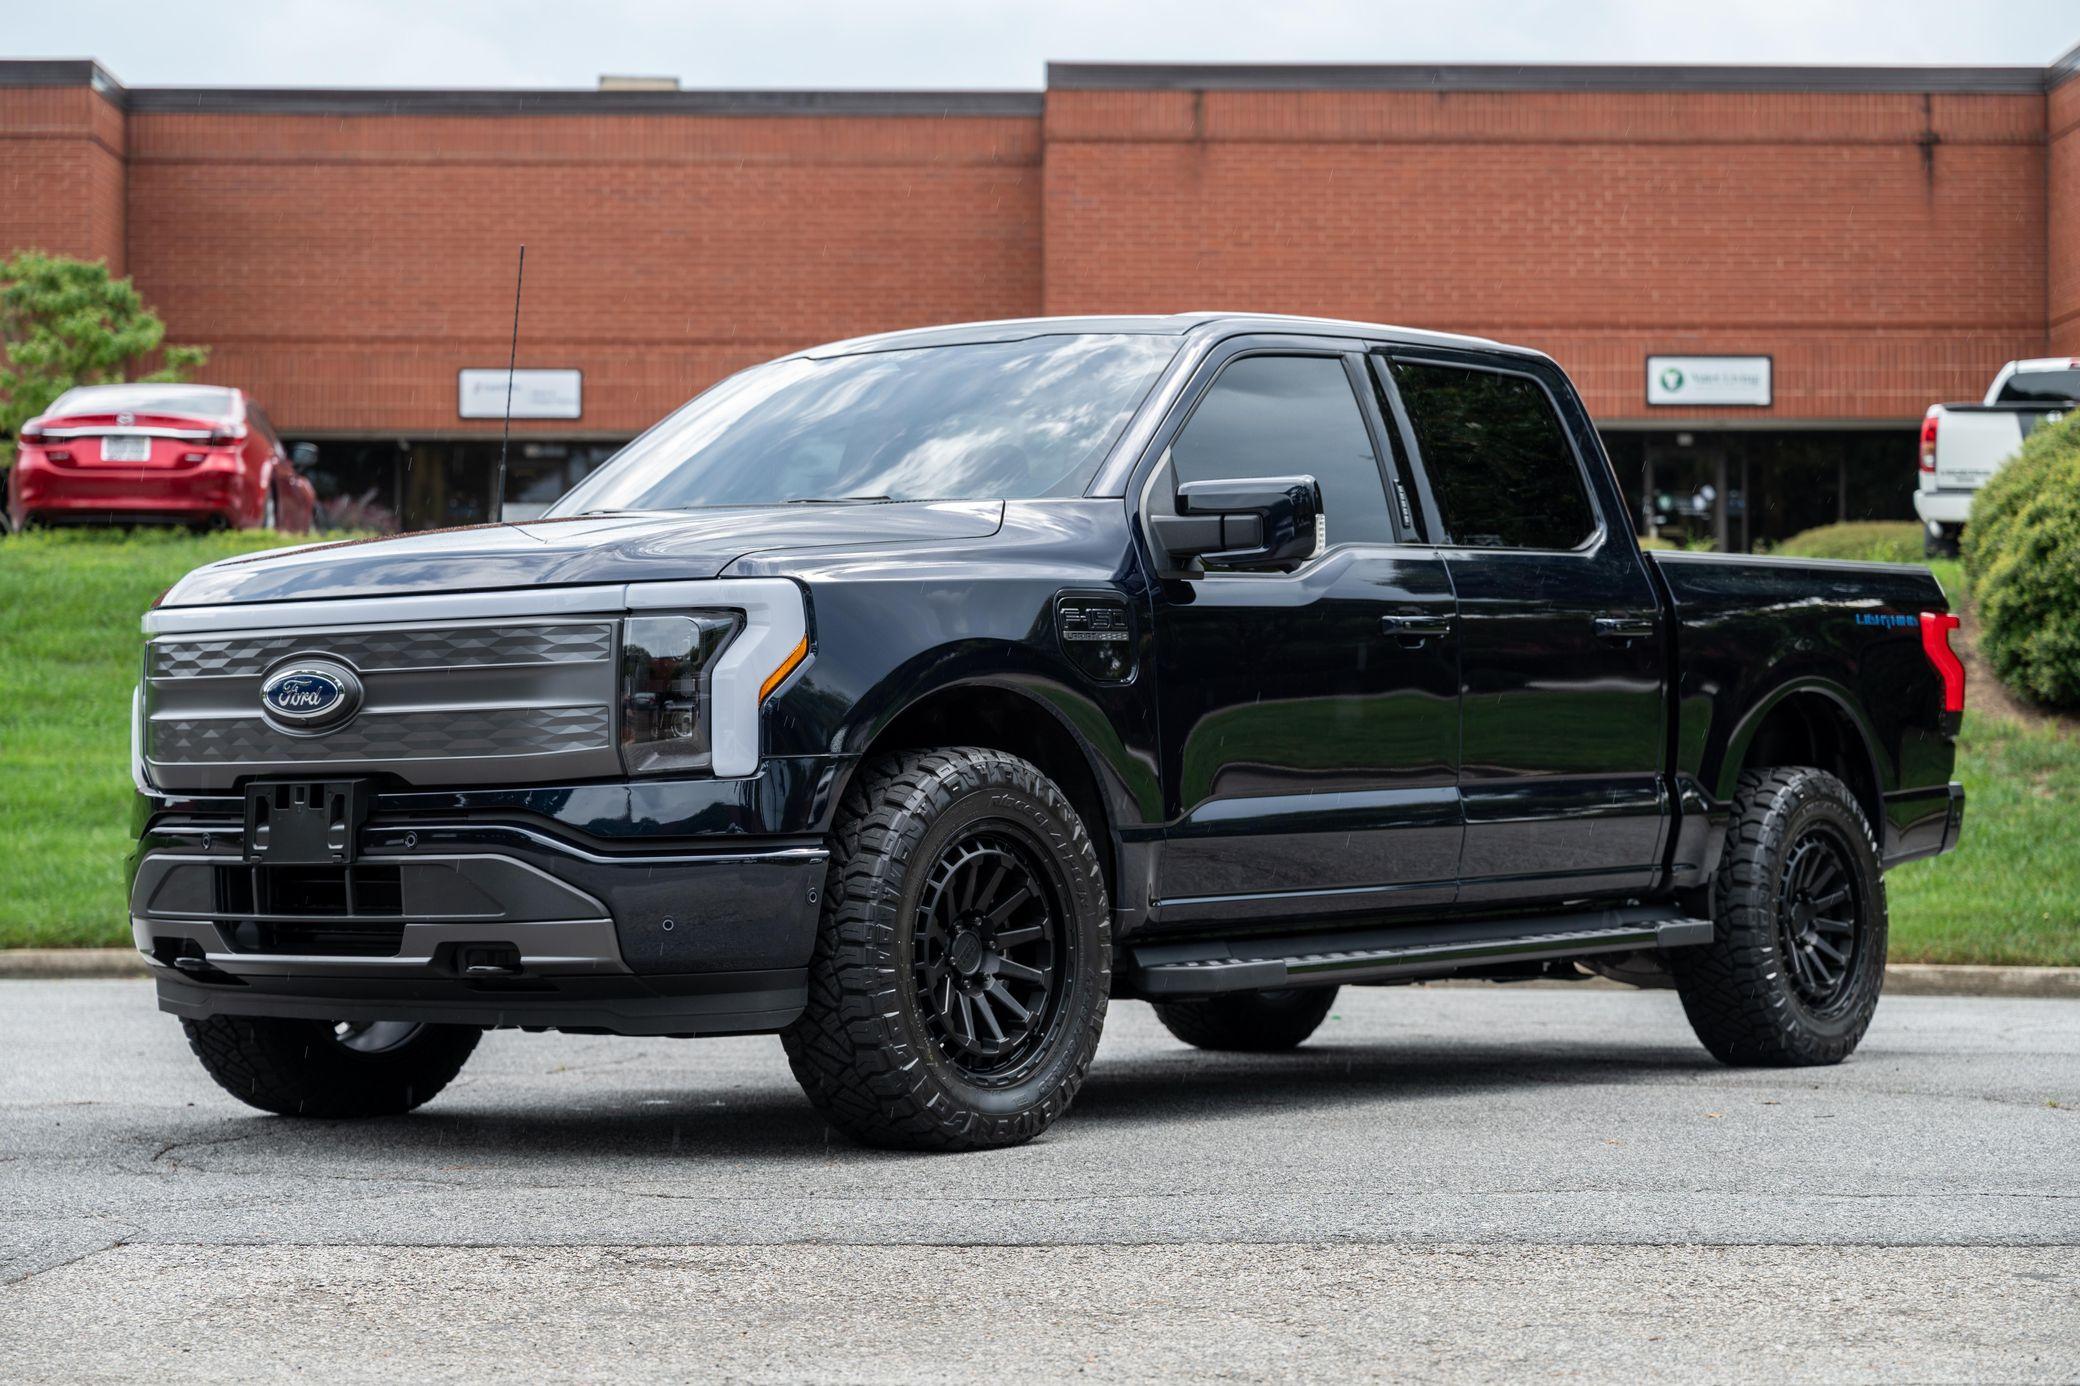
(914, 696)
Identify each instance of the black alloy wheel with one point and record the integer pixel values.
(1818, 907)
(988, 955)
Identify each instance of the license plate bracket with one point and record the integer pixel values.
(305, 822)
(126, 447)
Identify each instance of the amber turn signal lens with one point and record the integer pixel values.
(788, 665)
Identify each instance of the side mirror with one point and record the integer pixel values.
(303, 456)
(1241, 524)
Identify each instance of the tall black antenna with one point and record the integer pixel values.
(498, 493)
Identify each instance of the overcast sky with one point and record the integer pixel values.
(946, 43)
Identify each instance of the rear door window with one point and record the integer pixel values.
(1267, 416)
(1499, 462)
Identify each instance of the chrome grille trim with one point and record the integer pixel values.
(445, 702)
(448, 734)
(382, 651)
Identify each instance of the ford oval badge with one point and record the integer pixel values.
(310, 696)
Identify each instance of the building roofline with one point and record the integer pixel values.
(1544, 77)
(1071, 76)
(2064, 67)
(488, 101)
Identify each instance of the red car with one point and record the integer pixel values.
(202, 455)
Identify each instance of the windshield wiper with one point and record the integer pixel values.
(833, 500)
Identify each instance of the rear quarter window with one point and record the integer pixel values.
(1498, 459)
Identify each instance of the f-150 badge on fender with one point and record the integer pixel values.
(311, 697)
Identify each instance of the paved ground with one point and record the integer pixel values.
(1463, 1183)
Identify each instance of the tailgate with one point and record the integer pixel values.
(1974, 443)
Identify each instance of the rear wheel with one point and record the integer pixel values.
(1257, 1022)
(323, 1068)
(1939, 541)
(1793, 973)
(959, 982)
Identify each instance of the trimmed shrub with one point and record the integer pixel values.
(2022, 565)
(1869, 541)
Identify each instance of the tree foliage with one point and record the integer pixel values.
(2022, 559)
(66, 322)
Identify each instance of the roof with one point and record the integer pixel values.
(1170, 324)
(1072, 76)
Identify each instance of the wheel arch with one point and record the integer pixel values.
(1811, 722)
(1027, 720)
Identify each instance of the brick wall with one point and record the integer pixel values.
(1888, 250)
(346, 268)
(61, 173)
(2063, 217)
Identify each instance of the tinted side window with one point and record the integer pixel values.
(1497, 457)
(1290, 416)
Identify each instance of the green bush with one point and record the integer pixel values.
(2022, 564)
(1869, 541)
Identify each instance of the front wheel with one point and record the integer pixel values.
(961, 970)
(324, 1068)
(1797, 960)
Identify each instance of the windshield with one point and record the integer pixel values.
(983, 421)
(195, 401)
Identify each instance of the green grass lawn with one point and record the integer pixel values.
(69, 648)
(70, 601)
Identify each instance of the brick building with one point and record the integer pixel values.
(1885, 237)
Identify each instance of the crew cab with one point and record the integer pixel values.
(914, 697)
(200, 455)
(1963, 445)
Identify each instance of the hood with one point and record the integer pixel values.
(652, 546)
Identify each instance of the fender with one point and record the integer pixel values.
(1126, 781)
(1882, 775)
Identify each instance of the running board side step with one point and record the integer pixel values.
(1432, 950)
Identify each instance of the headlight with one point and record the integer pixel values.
(665, 716)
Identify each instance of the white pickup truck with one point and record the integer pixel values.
(1963, 445)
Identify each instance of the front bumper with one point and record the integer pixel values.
(486, 922)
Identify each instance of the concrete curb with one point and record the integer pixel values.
(45, 963)
(1901, 979)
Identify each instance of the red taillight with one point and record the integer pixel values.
(227, 433)
(1928, 443)
(1935, 643)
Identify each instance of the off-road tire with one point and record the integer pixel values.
(863, 1049)
(1739, 991)
(1249, 1022)
(299, 1068)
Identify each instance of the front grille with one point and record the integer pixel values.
(442, 703)
(375, 652)
(387, 736)
(329, 911)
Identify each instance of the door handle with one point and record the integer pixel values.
(1414, 630)
(1623, 628)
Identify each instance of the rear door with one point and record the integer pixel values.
(1308, 716)
(1562, 732)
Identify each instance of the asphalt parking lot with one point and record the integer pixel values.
(1451, 1183)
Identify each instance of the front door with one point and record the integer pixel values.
(1560, 651)
(1309, 718)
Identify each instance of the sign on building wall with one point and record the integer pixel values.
(1680, 380)
(536, 394)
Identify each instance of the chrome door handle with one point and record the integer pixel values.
(1414, 630)
(1623, 628)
